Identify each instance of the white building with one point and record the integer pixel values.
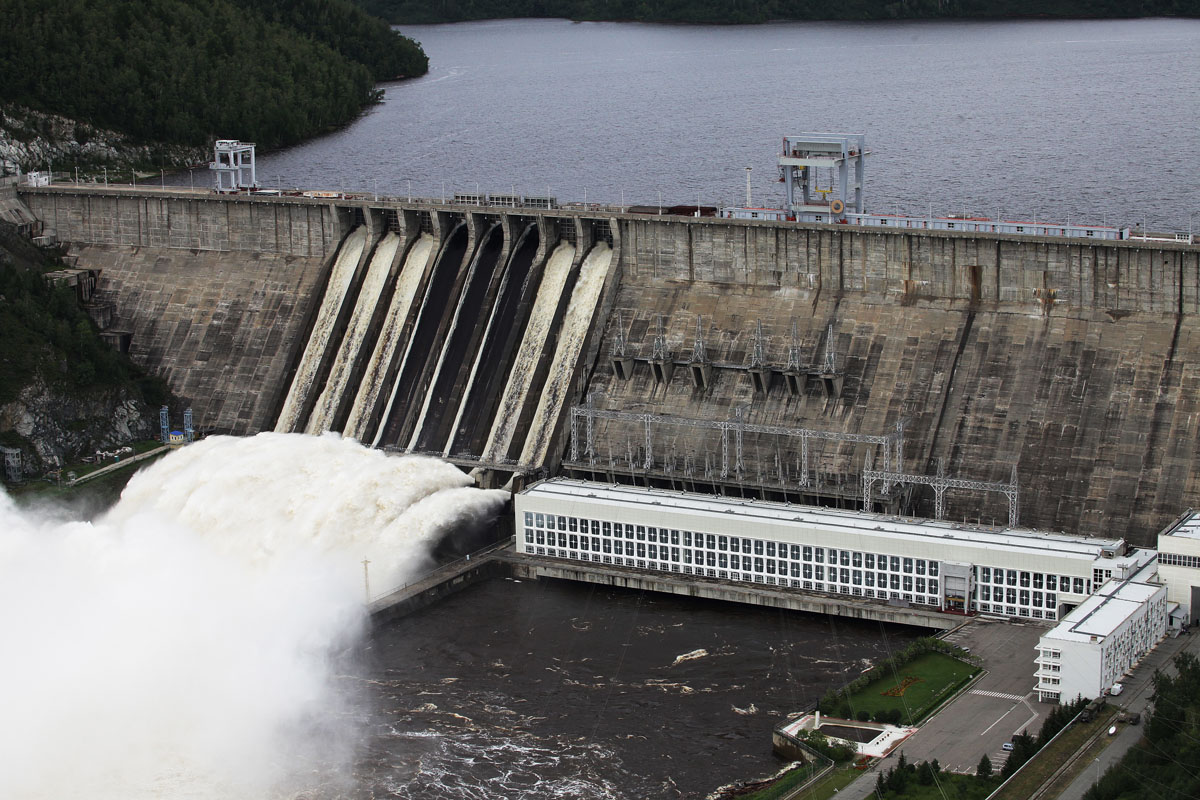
(1179, 564)
(233, 165)
(939, 564)
(1105, 636)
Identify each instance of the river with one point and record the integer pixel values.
(1086, 120)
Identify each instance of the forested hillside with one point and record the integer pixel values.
(745, 11)
(188, 71)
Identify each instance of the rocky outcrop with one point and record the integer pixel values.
(52, 428)
(33, 140)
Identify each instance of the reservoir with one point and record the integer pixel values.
(1082, 120)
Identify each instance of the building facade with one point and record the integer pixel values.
(1179, 564)
(930, 563)
(1103, 638)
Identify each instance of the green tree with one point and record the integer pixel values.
(984, 770)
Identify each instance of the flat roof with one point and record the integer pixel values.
(1105, 611)
(1188, 527)
(884, 525)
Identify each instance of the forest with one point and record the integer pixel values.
(187, 71)
(744, 11)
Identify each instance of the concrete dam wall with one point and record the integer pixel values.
(472, 332)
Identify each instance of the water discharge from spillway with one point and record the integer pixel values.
(322, 417)
(540, 319)
(389, 337)
(187, 644)
(575, 328)
(344, 267)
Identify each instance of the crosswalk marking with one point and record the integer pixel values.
(1001, 695)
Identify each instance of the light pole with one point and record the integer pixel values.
(366, 580)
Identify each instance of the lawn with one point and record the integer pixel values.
(823, 789)
(916, 689)
(955, 787)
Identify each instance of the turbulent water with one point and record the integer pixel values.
(576, 324)
(403, 297)
(1091, 120)
(378, 273)
(192, 641)
(533, 345)
(306, 374)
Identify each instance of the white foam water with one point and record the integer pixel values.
(575, 326)
(186, 644)
(344, 267)
(378, 273)
(541, 317)
(386, 345)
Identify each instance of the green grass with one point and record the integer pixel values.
(823, 789)
(938, 677)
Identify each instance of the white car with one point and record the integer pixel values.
(1116, 689)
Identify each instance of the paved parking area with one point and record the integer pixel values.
(981, 720)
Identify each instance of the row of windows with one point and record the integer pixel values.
(1036, 580)
(1176, 560)
(1024, 597)
(1014, 611)
(728, 561)
(914, 593)
(557, 525)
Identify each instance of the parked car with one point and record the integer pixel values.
(1116, 689)
(1006, 746)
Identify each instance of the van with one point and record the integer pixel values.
(1006, 746)
(1116, 689)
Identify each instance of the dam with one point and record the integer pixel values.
(763, 358)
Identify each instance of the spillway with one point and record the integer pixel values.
(441, 402)
(344, 267)
(533, 345)
(359, 423)
(500, 340)
(324, 413)
(412, 378)
(575, 327)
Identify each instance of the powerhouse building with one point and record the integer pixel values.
(937, 564)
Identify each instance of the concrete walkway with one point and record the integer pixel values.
(116, 465)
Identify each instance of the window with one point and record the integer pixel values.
(687, 538)
(985, 594)
(653, 550)
(845, 576)
(845, 558)
(1011, 597)
(820, 555)
(1012, 577)
(920, 566)
(895, 582)
(882, 579)
(870, 578)
(529, 519)
(674, 537)
(908, 583)
(771, 549)
(895, 563)
(771, 566)
(562, 523)
(723, 560)
(735, 562)
(1024, 597)
(795, 552)
(1038, 580)
(539, 520)
(1078, 585)
(820, 573)
(723, 542)
(712, 541)
(641, 550)
(808, 571)
(710, 559)
(758, 565)
(628, 531)
(1051, 600)
(985, 574)
(572, 524)
(857, 575)
(758, 547)
(1025, 577)
(920, 586)
(652, 534)
(1051, 583)
(833, 556)
(933, 587)
(908, 565)
(1037, 599)
(529, 535)
(745, 545)
(870, 561)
